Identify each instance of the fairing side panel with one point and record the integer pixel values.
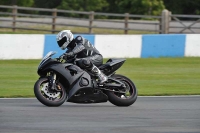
(61, 70)
(78, 85)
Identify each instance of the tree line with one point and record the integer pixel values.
(142, 7)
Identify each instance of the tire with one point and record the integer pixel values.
(116, 98)
(43, 97)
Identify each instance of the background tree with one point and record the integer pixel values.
(146, 7)
(183, 6)
(26, 3)
(113, 6)
(47, 3)
(83, 5)
(143, 7)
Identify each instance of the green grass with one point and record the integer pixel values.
(164, 76)
(152, 76)
(17, 77)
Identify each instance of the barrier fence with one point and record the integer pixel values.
(163, 24)
(110, 46)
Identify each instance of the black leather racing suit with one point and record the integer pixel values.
(86, 52)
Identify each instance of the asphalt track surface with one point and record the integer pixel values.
(147, 115)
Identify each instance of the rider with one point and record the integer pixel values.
(89, 56)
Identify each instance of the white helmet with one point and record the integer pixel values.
(63, 38)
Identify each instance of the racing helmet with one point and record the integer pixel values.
(63, 38)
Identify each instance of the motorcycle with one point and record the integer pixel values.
(62, 80)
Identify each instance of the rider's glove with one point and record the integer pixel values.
(68, 55)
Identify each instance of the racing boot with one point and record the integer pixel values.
(101, 76)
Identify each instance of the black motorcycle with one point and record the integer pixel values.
(62, 80)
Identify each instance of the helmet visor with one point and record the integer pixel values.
(62, 41)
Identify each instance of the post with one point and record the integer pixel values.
(165, 20)
(91, 18)
(14, 14)
(126, 23)
(54, 14)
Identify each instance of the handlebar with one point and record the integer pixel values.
(70, 60)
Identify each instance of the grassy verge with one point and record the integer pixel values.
(152, 76)
(164, 76)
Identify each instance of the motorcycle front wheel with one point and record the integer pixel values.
(123, 99)
(46, 95)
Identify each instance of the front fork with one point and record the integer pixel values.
(52, 81)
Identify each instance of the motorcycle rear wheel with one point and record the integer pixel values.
(48, 97)
(120, 99)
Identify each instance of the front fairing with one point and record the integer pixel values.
(46, 61)
(44, 65)
(67, 71)
(72, 77)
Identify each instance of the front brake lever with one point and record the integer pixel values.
(60, 58)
